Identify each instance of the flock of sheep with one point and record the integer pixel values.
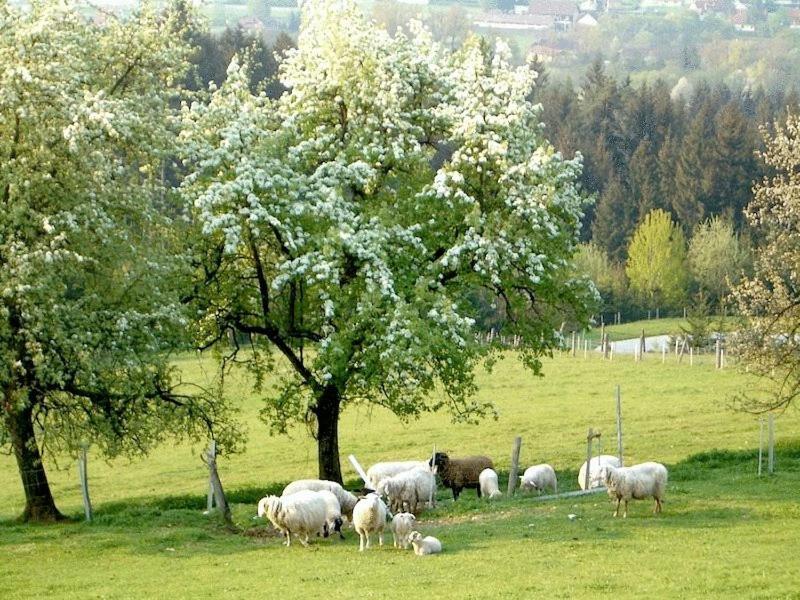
(400, 490)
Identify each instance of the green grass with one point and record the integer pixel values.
(724, 532)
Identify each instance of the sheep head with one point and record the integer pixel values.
(440, 459)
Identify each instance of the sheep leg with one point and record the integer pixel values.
(456, 492)
(478, 491)
(380, 537)
(616, 511)
(625, 514)
(394, 537)
(288, 538)
(303, 541)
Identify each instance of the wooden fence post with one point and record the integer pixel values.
(718, 354)
(642, 346)
(574, 341)
(771, 437)
(512, 474)
(619, 426)
(589, 438)
(83, 474)
(760, 443)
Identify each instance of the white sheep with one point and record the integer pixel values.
(424, 545)
(409, 490)
(302, 514)
(346, 500)
(596, 472)
(645, 480)
(333, 520)
(383, 470)
(489, 485)
(402, 524)
(539, 478)
(369, 515)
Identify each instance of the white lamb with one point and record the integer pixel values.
(369, 515)
(489, 486)
(402, 524)
(302, 514)
(409, 490)
(539, 478)
(346, 500)
(646, 480)
(383, 470)
(596, 471)
(333, 520)
(424, 545)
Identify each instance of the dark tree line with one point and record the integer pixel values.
(693, 155)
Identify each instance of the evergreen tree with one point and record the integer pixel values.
(615, 219)
(645, 183)
(692, 186)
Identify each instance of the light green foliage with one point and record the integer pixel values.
(609, 278)
(770, 344)
(353, 216)
(716, 258)
(88, 299)
(150, 539)
(656, 265)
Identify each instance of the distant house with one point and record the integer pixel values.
(563, 12)
(794, 18)
(741, 22)
(251, 24)
(586, 20)
(501, 20)
(544, 52)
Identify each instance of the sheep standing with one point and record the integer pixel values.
(402, 525)
(369, 515)
(424, 545)
(383, 470)
(645, 480)
(596, 472)
(460, 473)
(539, 478)
(346, 500)
(333, 521)
(489, 485)
(409, 490)
(302, 514)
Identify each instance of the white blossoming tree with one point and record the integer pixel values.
(343, 225)
(88, 301)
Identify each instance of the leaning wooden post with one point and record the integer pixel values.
(619, 426)
(760, 443)
(512, 474)
(83, 474)
(771, 439)
(212, 451)
(606, 347)
(216, 484)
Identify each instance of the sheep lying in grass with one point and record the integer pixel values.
(383, 470)
(596, 472)
(460, 473)
(424, 545)
(302, 514)
(539, 478)
(409, 490)
(489, 485)
(402, 525)
(333, 520)
(346, 500)
(369, 516)
(645, 480)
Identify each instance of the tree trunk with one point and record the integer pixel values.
(39, 503)
(327, 412)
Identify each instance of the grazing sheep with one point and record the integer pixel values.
(646, 480)
(369, 515)
(596, 473)
(402, 524)
(409, 490)
(346, 500)
(460, 473)
(424, 545)
(489, 486)
(383, 470)
(333, 520)
(302, 514)
(539, 478)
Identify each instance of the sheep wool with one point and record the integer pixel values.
(302, 514)
(489, 485)
(424, 545)
(333, 520)
(346, 499)
(409, 490)
(460, 473)
(539, 478)
(402, 525)
(596, 472)
(645, 480)
(383, 470)
(369, 516)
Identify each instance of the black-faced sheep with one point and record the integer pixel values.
(460, 473)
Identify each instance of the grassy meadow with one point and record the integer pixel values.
(724, 532)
